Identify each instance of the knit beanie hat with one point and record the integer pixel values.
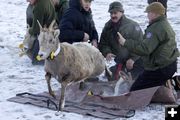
(116, 6)
(156, 7)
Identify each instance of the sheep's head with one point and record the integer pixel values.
(28, 39)
(27, 42)
(48, 40)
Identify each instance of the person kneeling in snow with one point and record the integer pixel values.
(44, 12)
(158, 49)
(108, 45)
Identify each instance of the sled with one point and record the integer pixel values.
(93, 101)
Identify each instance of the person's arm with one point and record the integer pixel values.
(137, 35)
(63, 6)
(68, 30)
(94, 39)
(37, 15)
(103, 45)
(94, 31)
(144, 48)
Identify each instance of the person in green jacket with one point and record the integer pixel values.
(44, 12)
(60, 7)
(158, 49)
(108, 45)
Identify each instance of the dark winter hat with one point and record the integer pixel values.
(156, 7)
(116, 6)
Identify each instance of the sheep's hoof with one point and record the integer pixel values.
(21, 54)
(61, 114)
(52, 94)
(81, 86)
(58, 113)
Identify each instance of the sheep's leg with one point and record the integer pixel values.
(81, 85)
(62, 98)
(48, 79)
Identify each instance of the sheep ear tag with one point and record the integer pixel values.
(38, 58)
(90, 93)
(21, 46)
(52, 55)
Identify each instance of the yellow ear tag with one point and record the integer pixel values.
(52, 55)
(90, 93)
(21, 46)
(38, 58)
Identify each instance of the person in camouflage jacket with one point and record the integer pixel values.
(158, 49)
(109, 46)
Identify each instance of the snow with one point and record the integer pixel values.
(18, 75)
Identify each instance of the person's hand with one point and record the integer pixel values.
(121, 39)
(109, 56)
(86, 37)
(129, 64)
(94, 43)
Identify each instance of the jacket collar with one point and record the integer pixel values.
(160, 18)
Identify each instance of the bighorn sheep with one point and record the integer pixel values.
(67, 63)
(27, 43)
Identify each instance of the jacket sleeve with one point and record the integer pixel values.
(94, 31)
(37, 15)
(137, 35)
(104, 44)
(68, 28)
(95, 34)
(63, 6)
(146, 47)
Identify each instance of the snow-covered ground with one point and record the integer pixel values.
(18, 75)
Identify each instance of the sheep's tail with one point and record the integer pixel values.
(108, 74)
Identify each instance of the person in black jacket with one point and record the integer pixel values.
(163, 2)
(77, 24)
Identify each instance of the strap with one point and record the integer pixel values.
(48, 100)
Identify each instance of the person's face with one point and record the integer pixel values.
(86, 4)
(32, 2)
(116, 16)
(151, 16)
